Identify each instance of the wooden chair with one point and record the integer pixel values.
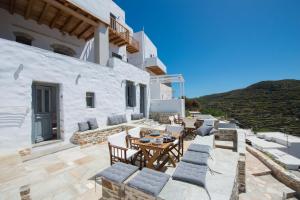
(119, 151)
(172, 119)
(177, 148)
(178, 119)
(133, 134)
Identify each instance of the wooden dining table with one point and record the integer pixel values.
(156, 155)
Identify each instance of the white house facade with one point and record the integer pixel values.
(66, 61)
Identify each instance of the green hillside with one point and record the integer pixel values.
(264, 106)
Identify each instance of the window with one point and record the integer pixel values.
(90, 99)
(116, 55)
(130, 94)
(23, 38)
(64, 50)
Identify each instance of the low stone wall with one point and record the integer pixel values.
(242, 173)
(97, 136)
(238, 146)
(226, 134)
(162, 117)
(235, 189)
(278, 171)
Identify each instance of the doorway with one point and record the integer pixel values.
(45, 104)
(143, 99)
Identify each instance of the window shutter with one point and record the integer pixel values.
(126, 94)
(133, 96)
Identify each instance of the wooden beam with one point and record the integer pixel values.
(71, 12)
(56, 17)
(63, 28)
(43, 13)
(84, 31)
(12, 4)
(76, 27)
(28, 9)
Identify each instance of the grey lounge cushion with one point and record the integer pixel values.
(191, 173)
(117, 119)
(83, 126)
(93, 123)
(213, 131)
(118, 172)
(200, 148)
(203, 130)
(194, 157)
(137, 116)
(149, 181)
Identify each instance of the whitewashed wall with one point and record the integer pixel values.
(173, 105)
(22, 64)
(160, 91)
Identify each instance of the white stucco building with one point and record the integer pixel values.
(65, 61)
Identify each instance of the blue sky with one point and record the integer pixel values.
(220, 45)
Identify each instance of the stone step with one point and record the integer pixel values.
(44, 150)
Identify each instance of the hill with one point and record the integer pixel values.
(264, 106)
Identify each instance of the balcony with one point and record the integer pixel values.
(155, 65)
(120, 36)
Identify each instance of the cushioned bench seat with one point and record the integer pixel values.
(197, 158)
(200, 148)
(205, 140)
(149, 181)
(118, 172)
(191, 173)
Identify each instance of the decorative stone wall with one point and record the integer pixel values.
(278, 171)
(132, 193)
(226, 134)
(111, 190)
(235, 189)
(242, 174)
(162, 117)
(96, 136)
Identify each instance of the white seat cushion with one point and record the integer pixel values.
(176, 142)
(118, 139)
(130, 153)
(135, 132)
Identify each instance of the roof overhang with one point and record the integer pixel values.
(72, 17)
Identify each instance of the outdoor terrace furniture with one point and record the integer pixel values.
(147, 184)
(133, 134)
(172, 119)
(178, 119)
(119, 151)
(156, 155)
(177, 149)
(113, 179)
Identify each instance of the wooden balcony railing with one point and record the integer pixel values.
(120, 35)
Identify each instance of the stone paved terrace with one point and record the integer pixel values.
(260, 183)
(68, 175)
